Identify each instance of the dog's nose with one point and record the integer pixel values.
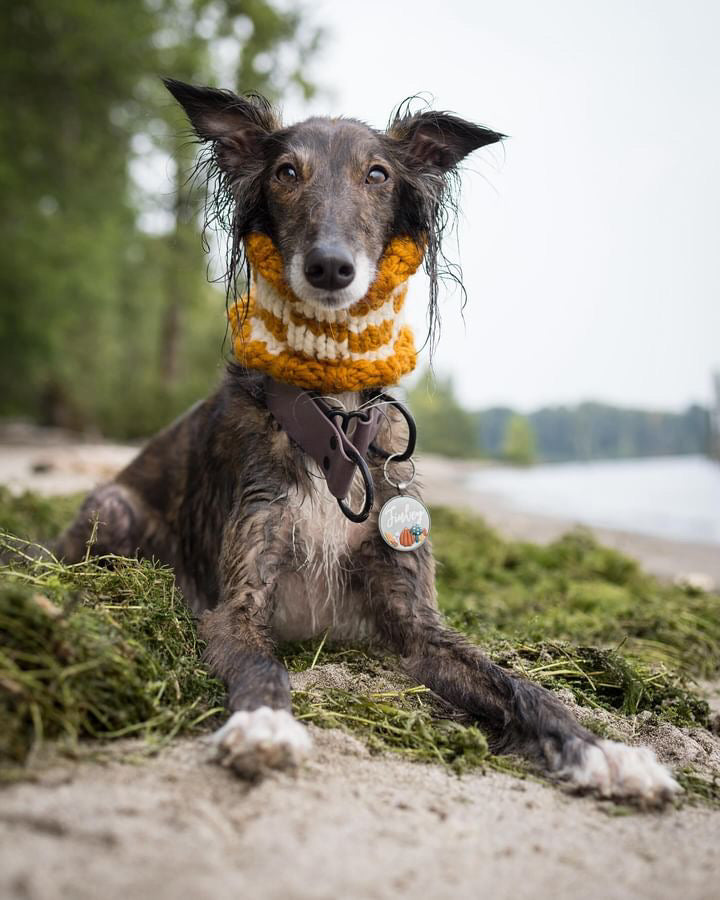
(329, 268)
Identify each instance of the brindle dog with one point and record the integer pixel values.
(259, 547)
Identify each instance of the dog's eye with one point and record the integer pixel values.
(287, 174)
(376, 175)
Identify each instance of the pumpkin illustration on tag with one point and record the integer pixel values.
(407, 538)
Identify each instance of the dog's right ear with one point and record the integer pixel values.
(238, 126)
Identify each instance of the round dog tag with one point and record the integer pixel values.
(404, 523)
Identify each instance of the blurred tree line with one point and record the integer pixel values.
(107, 319)
(444, 427)
(552, 434)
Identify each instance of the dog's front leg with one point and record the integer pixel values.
(519, 716)
(261, 732)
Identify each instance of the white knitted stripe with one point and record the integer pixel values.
(321, 348)
(267, 297)
(300, 338)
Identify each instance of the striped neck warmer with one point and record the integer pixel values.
(364, 346)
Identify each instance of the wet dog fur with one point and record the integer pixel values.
(258, 545)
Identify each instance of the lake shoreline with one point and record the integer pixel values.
(449, 482)
(52, 463)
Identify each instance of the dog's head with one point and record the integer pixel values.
(331, 193)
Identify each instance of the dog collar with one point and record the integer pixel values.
(364, 346)
(323, 432)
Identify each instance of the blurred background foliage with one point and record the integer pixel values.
(554, 433)
(107, 318)
(108, 321)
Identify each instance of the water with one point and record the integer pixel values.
(672, 497)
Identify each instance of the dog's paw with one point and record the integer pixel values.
(621, 772)
(252, 742)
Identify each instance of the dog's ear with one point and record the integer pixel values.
(439, 140)
(237, 125)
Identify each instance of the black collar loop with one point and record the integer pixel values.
(323, 432)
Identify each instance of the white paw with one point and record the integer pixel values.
(250, 742)
(616, 770)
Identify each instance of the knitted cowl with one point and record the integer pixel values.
(364, 346)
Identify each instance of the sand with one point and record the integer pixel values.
(348, 825)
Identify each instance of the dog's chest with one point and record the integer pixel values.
(313, 594)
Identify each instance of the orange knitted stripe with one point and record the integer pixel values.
(371, 338)
(400, 260)
(265, 260)
(333, 376)
(398, 263)
(276, 327)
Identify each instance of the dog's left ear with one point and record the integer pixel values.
(438, 140)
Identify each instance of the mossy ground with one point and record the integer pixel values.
(101, 651)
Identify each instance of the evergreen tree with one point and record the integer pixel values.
(519, 443)
(444, 427)
(102, 322)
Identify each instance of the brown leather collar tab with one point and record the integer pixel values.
(324, 433)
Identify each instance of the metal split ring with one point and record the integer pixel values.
(359, 461)
(399, 457)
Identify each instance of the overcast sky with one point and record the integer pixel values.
(591, 242)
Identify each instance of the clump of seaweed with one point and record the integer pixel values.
(573, 590)
(398, 721)
(605, 679)
(367, 697)
(34, 517)
(700, 787)
(103, 649)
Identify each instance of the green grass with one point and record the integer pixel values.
(106, 648)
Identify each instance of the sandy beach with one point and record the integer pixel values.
(349, 824)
